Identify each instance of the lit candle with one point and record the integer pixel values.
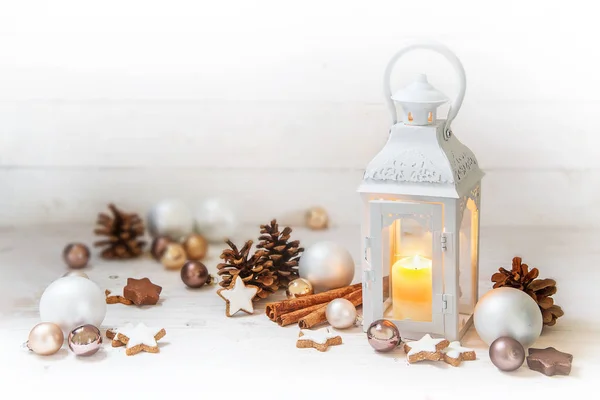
(411, 288)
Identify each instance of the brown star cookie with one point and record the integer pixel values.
(549, 361)
(142, 291)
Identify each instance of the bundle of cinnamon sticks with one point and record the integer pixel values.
(309, 311)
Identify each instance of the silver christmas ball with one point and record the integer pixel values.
(215, 220)
(326, 265)
(340, 313)
(508, 312)
(171, 218)
(85, 340)
(507, 354)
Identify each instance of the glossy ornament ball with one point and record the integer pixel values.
(76, 273)
(174, 256)
(195, 246)
(326, 265)
(76, 255)
(383, 335)
(171, 218)
(298, 288)
(508, 312)
(316, 218)
(159, 245)
(194, 274)
(341, 313)
(215, 220)
(506, 353)
(85, 340)
(45, 339)
(72, 301)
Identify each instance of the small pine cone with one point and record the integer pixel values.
(281, 255)
(540, 290)
(123, 231)
(250, 269)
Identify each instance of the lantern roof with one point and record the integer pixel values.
(420, 91)
(422, 161)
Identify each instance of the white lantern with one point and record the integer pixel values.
(420, 228)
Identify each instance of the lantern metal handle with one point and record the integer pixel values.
(452, 59)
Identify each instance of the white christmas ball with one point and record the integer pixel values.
(172, 218)
(215, 220)
(326, 265)
(72, 301)
(508, 312)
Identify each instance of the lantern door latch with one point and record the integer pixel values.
(447, 304)
(444, 241)
(368, 242)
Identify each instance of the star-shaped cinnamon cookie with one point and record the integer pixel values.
(549, 361)
(454, 354)
(426, 348)
(319, 339)
(238, 297)
(140, 338)
(142, 291)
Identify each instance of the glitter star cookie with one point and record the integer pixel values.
(549, 361)
(238, 297)
(140, 338)
(426, 348)
(454, 354)
(319, 339)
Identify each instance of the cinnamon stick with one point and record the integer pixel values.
(294, 316)
(318, 316)
(274, 310)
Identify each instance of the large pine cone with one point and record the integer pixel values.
(250, 269)
(540, 290)
(281, 255)
(123, 233)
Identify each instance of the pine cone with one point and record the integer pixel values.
(249, 269)
(540, 290)
(282, 256)
(123, 231)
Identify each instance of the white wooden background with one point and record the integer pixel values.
(275, 106)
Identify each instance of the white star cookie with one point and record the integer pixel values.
(426, 348)
(140, 338)
(238, 297)
(113, 332)
(454, 354)
(319, 339)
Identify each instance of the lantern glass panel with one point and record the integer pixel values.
(468, 247)
(409, 267)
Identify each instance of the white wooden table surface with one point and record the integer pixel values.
(207, 354)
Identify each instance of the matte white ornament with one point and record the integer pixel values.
(72, 301)
(172, 218)
(508, 312)
(215, 220)
(326, 265)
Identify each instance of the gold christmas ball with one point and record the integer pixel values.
(195, 246)
(174, 256)
(316, 218)
(299, 288)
